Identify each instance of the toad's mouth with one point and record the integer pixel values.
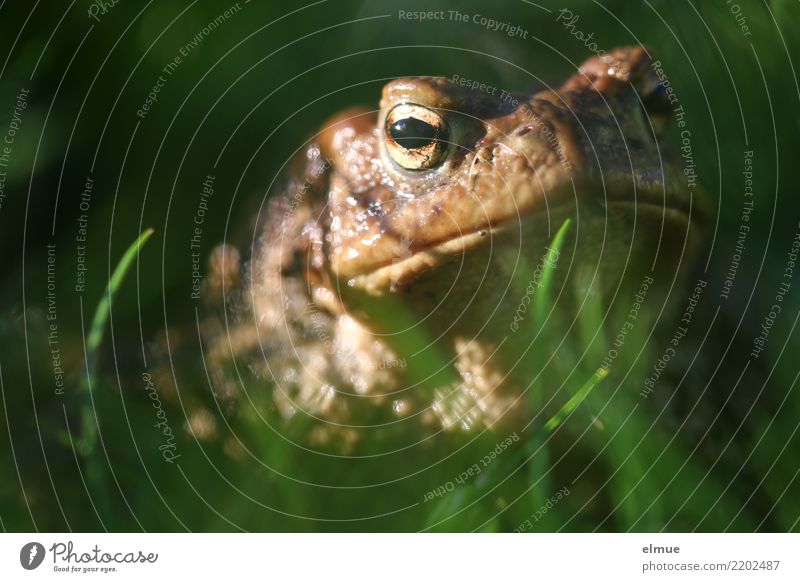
(652, 207)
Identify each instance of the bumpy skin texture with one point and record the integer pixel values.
(355, 237)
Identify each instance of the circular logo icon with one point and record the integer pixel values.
(31, 555)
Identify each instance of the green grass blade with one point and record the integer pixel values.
(88, 423)
(576, 399)
(96, 469)
(103, 308)
(542, 300)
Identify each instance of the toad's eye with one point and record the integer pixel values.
(416, 136)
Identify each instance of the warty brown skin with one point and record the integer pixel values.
(368, 275)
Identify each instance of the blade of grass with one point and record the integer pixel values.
(576, 399)
(114, 283)
(95, 468)
(535, 449)
(542, 300)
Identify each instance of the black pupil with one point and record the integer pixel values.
(412, 133)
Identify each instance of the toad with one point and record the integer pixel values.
(385, 278)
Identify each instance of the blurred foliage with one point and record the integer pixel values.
(238, 105)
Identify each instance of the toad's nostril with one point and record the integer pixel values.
(485, 154)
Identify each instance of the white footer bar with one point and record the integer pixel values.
(400, 557)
